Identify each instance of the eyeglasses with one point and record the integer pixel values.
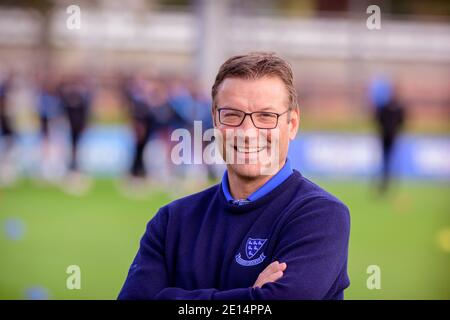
(261, 119)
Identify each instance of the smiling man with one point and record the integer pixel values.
(265, 232)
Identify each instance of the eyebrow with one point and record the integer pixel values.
(266, 108)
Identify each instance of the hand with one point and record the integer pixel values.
(271, 273)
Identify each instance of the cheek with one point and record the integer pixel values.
(281, 133)
(285, 137)
(226, 138)
(280, 139)
(284, 142)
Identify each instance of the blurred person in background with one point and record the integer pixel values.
(182, 105)
(152, 118)
(390, 119)
(202, 106)
(7, 132)
(190, 105)
(48, 110)
(136, 93)
(6, 127)
(75, 94)
(164, 121)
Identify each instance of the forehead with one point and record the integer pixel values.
(253, 94)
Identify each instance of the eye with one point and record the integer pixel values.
(231, 114)
(266, 116)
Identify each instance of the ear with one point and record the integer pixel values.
(294, 121)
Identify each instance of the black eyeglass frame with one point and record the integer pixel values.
(278, 115)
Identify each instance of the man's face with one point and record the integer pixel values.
(249, 151)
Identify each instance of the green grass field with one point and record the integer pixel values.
(407, 234)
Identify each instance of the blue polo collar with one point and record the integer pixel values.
(273, 182)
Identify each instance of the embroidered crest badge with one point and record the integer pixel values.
(252, 248)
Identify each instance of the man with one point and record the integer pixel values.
(390, 119)
(75, 95)
(259, 234)
(7, 133)
(136, 92)
(6, 128)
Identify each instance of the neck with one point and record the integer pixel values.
(242, 187)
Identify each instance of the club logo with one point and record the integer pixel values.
(252, 248)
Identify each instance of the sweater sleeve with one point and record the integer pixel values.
(314, 245)
(148, 274)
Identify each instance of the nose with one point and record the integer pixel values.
(247, 123)
(247, 132)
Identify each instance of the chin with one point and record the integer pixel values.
(249, 171)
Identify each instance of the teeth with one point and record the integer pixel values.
(249, 150)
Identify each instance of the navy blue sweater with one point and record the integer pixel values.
(203, 247)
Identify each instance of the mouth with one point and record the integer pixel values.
(248, 150)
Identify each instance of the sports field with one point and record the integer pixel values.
(44, 230)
